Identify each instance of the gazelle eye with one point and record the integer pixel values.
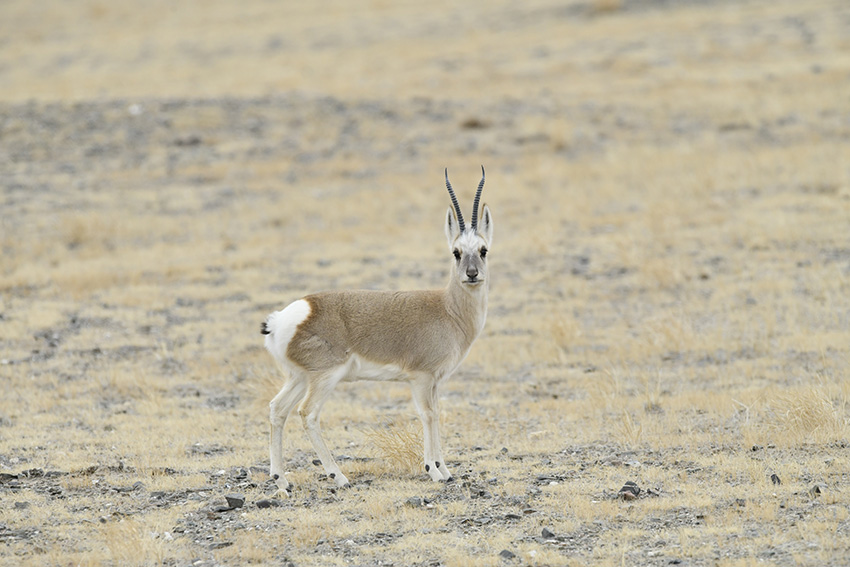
(483, 252)
(457, 255)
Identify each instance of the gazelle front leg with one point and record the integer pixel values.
(424, 390)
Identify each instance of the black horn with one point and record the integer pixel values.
(454, 202)
(475, 202)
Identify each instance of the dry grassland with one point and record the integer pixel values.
(670, 305)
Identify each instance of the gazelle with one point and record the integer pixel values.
(416, 336)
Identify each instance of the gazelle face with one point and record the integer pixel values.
(470, 254)
(470, 248)
(469, 245)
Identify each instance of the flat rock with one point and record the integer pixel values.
(235, 500)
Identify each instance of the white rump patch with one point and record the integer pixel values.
(282, 326)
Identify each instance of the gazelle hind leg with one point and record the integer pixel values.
(279, 409)
(425, 397)
(318, 393)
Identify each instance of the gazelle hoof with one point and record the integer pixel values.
(340, 480)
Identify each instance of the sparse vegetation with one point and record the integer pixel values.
(670, 303)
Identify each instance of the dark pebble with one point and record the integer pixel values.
(235, 500)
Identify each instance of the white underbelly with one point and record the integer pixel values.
(363, 369)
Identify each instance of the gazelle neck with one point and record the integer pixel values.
(467, 305)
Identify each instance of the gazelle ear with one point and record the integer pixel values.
(486, 228)
(452, 227)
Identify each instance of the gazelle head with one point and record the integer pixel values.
(469, 244)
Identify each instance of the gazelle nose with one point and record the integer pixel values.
(472, 272)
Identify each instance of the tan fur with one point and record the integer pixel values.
(420, 331)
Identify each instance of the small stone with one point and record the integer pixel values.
(547, 534)
(507, 554)
(774, 478)
(220, 544)
(235, 500)
(817, 490)
(414, 502)
(268, 503)
(22, 505)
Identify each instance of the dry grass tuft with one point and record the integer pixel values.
(399, 444)
(128, 540)
(810, 415)
(263, 383)
(629, 431)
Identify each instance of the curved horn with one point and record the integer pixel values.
(454, 202)
(475, 202)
